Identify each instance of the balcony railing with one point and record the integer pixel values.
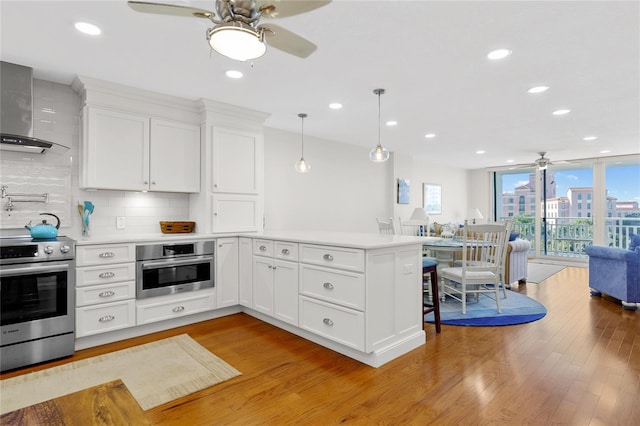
(570, 237)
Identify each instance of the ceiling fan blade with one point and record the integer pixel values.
(287, 41)
(285, 8)
(169, 9)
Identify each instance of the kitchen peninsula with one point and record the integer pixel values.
(357, 294)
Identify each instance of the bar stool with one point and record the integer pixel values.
(429, 267)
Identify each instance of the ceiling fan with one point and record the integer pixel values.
(237, 32)
(541, 163)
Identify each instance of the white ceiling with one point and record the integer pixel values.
(430, 56)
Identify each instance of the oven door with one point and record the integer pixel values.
(169, 276)
(37, 300)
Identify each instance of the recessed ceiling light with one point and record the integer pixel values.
(234, 74)
(605, 151)
(480, 152)
(538, 89)
(509, 161)
(430, 135)
(590, 138)
(335, 105)
(87, 28)
(561, 112)
(498, 54)
(391, 123)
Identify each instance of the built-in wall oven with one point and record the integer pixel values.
(171, 268)
(37, 286)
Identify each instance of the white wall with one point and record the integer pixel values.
(454, 182)
(343, 191)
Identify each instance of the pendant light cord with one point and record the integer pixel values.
(379, 93)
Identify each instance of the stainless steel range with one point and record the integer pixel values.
(37, 289)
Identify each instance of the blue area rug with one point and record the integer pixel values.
(516, 309)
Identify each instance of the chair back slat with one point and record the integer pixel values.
(386, 227)
(412, 227)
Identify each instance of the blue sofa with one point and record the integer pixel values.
(615, 272)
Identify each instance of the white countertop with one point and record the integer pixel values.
(342, 239)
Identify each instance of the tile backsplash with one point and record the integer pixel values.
(56, 118)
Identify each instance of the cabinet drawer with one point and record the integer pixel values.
(105, 274)
(263, 247)
(105, 254)
(287, 251)
(164, 308)
(105, 317)
(341, 287)
(105, 293)
(334, 257)
(342, 325)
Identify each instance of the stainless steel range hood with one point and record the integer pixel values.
(16, 122)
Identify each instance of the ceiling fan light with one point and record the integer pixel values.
(237, 40)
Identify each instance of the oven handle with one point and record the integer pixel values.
(174, 262)
(30, 270)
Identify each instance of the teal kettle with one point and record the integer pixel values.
(44, 230)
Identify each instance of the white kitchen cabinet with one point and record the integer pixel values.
(105, 288)
(245, 271)
(163, 308)
(236, 161)
(127, 151)
(227, 272)
(275, 284)
(235, 213)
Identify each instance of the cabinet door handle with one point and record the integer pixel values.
(107, 293)
(146, 182)
(263, 248)
(285, 251)
(106, 254)
(328, 286)
(328, 322)
(107, 318)
(270, 266)
(153, 182)
(107, 275)
(327, 257)
(178, 309)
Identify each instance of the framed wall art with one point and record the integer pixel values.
(432, 198)
(403, 191)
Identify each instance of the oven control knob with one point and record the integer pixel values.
(48, 249)
(65, 249)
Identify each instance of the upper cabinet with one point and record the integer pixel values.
(236, 156)
(232, 155)
(136, 140)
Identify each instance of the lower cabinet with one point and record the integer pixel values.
(105, 317)
(337, 323)
(167, 307)
(275, 281)
(227, 272)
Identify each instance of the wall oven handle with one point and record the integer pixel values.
(30, 270)
(174, 262)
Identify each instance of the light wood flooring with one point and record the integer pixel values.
(579, 365)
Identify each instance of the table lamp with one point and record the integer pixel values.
(475, 214)
(419, 214)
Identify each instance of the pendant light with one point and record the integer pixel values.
(379, 154)
(301, 165)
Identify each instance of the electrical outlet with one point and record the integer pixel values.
(120, 222)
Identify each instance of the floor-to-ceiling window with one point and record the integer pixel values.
(568, 206)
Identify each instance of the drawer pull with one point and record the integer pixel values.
(270, 267)
(107, 275)
(328, 286)
(107, 293)
(328, 322)
(263, 248)
(178, 309)
(285, 251)
(327, 257)
(107, 318)
(106, 254)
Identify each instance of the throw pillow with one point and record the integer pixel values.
(635, 241)
(513, 236)
(437, 228)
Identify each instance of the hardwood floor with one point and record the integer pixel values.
(579, 365)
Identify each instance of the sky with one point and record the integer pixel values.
(623, 182)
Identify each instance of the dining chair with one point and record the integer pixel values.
(432, 303)
(386, 227)
(480, 272)
(413, 227)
